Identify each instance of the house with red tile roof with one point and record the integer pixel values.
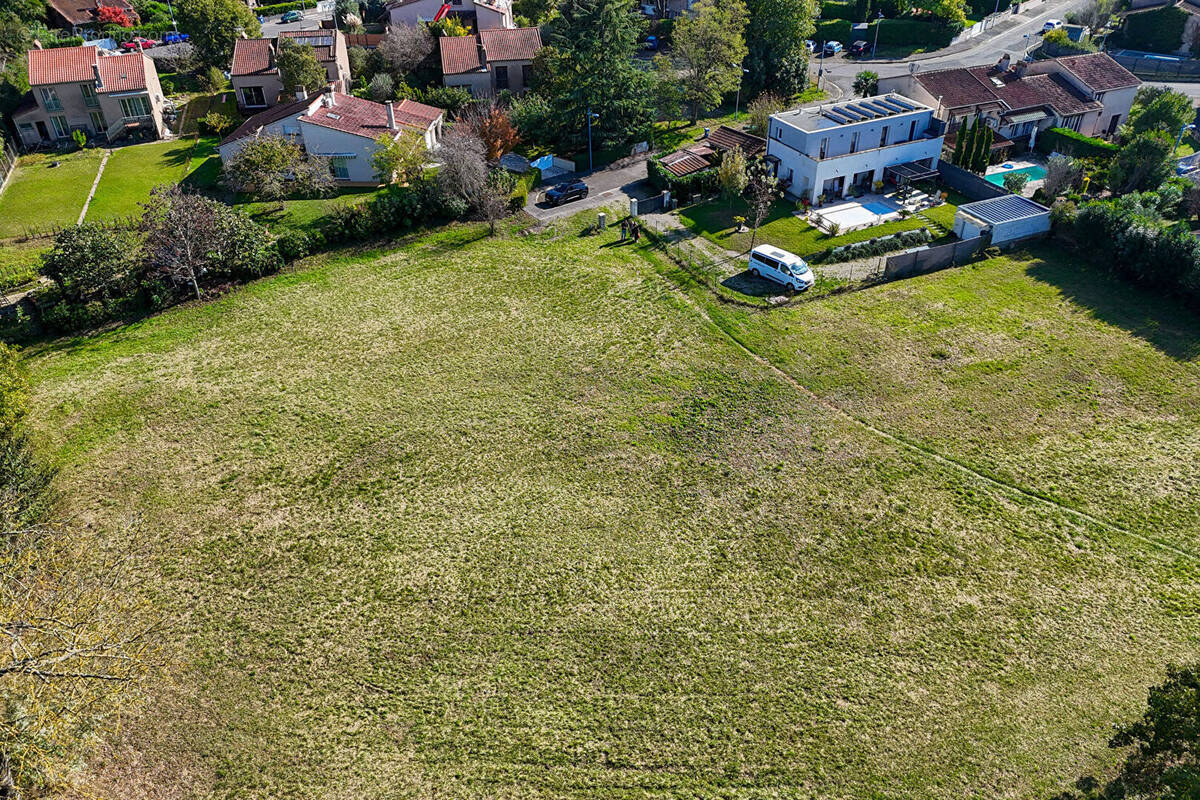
(108, 97)
(490, 61)
(75, 14)
(1090, 93)
(255, 75)
(343, 128)
(478, 15)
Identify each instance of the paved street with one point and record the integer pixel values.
(605, 187)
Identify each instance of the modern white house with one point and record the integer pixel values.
(479, 15)
(340, 127)
(824, 151)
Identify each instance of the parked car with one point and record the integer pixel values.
(174, 37)
(833, 48)
(859, 48)
(292, 16)
(566, 192)
(810, 45)
(1052, 25)
(782, 267)
(137, 43)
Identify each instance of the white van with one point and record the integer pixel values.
(782, 267)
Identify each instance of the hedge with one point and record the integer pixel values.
(1158, 31)
(525, 183)
(276, 8)
(662, 178)
(913, 32)
(1068, 142)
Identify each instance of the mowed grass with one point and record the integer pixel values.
(41, 196)
(133, 171)
(484, 518)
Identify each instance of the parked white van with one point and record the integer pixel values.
(782, 267)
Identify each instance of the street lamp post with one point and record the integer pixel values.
(821, 65)
(878, 22)
(590, 117)
(1179, 138)
(738, 99)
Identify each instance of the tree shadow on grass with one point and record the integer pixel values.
(1150, 314)
(749, 285)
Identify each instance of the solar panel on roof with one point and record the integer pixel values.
(864, 110)
(851, 112)
(902, 103)
(892, 110)
(838, 118)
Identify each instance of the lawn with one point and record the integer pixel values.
(40, 196)
(782, 228)
(477, 518)
(133, 171)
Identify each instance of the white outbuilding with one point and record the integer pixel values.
(1009, 219)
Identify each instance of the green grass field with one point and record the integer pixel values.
(133, 171)
(40, 196)
(499, 518)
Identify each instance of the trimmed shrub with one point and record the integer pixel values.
(662, 178)
(525, 184)
(1069, 142)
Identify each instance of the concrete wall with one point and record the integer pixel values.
(970, 184)
(930, 259)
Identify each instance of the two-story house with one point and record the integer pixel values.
(1090, 94)
(823, 151)
(490, 61)
(343, 128)
(479, 15)
(77, 88)
(255, 73)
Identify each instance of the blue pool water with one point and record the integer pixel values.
(878, 208)
(1035, 173)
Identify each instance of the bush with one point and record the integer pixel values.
(1140, 248)
(1158, 31)
(1071, 143)
(399, 208)
(452, 99)
(661, 178)
(216, 123)
(211, 79)
(525, 183)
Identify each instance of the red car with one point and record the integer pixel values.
(138, 43)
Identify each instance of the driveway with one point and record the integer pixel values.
(605, 187)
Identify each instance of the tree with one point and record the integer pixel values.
(731, 174)
(1015, 181)
(179, 228)
(494, 126)
(359, 60)
(1141, 164)
(710, 47)
(1097, 13)
(764, 191)
(214, 26)
(536, 11)
(984, 136)
(464, 169)
(1062, 173)
(112, 15)
(949, 12)
(381, 88)
(866, 83)
(92, 262)
(491, 202)
(272, 168)
(1157, 108)
(589, 64)
(400, 159)
(667, 92)
(777, 59)
(404, 47)
(449, 26)
(960, 145)
(298, 66)
(14, 38)
(760, 110)
(28, 11)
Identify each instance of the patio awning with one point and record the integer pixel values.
(1025, 116)
(911, 171)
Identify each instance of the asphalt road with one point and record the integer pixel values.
(605, 187)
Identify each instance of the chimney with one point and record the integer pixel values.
(96, 72)
(37, 45)
(301, 93)
(391, 112)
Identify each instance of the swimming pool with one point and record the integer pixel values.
(1035, 173)
(878, 208)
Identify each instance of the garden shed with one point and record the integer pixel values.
(1008, 219)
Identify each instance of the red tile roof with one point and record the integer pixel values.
(682, 162)
(459, 54)
(984, 86)
(1099, 71)
(727, 138)
(83, 12)
(510, 44)
(253, 57)
(957, 87)
(123, 73)
(264, 118)
(62, 65)
(367, 118)
(416, 115)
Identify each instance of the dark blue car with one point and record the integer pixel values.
(566, 192)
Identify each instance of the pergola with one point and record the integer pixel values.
(905, 174)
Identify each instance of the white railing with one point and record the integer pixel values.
(118, 127)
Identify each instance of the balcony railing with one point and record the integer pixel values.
(125, 124)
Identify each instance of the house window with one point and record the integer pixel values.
(137, 106)
(50, 99)
(89, 95)
(1073, 122)
(777, 134)
(253, 96)
(340, 167)
(854, 142)
(526, 75)
(912, 130)
(824, 147)
(501, 77)
(61, 129)
(97, 118)
(883, 136)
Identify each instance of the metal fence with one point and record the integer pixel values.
(8, 162)
(1148, 66)
(930, 259)
(970, 184)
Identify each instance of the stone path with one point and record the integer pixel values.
(95, 183)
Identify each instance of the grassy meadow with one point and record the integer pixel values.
(525, 518)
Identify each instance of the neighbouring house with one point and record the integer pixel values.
(108, 97)
(666, 9)
(255, 73)
(76, 14)
(340, 127)
(827, 150)
(1006, 219)
(1090, 94)
(705, 153)
(490, 61)
(479, 15)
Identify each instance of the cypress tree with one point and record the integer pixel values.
(983, 149)
(960, 145)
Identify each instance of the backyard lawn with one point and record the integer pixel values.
(782, 228)
(40, 196)
(476, 517)
(133, 171)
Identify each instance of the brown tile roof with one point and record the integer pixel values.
(253, 57)
(1099, 71)
(973, 86)
(412, 114)
(367, 118)
(688, 160)
(62, 65)
(957, 87)
(459, 54)
(726, 138)
(123, 73)
(510, 44)
(264, 118)
(83, 12)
